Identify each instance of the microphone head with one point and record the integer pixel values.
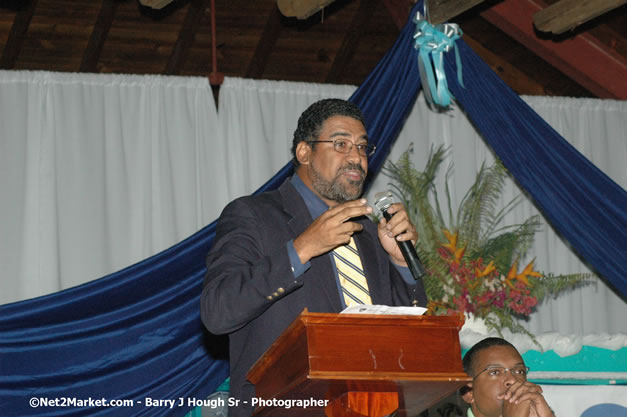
(383, 200)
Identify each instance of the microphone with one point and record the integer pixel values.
(383, 201)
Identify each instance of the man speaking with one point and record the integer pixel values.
(308, 244)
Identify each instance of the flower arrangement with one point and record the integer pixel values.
(472, 260)
(471, 286)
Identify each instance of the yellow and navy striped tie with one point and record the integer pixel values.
(351, 274)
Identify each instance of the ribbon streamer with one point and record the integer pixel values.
(432, 42)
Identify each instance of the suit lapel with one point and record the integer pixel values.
(321, 267)
(294, 206)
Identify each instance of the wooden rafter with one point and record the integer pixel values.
(441, 11)
(266, 43)
(557, 18)
(44, 37)
(17, 35)
(565, 15)
(155, 4)
(582, 58)
(195, 13)
(345, 54)
(515, 78)
(399, 11)
(301, 9)
(98, 36)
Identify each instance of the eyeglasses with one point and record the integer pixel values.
(346, 146)
(498, 371)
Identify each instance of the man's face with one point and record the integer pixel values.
(337, 177)
(486, 386)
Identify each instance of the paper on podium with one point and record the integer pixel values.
(381, 309)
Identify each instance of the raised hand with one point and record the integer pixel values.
(332, 229)
(399, 228)
(524, 399)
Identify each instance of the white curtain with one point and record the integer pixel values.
(101, 171)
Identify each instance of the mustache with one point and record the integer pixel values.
(352, 166)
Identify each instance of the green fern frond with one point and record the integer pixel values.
(413, 188)
(552, 285)
(478, 222)
(508, 243)
(479, 205)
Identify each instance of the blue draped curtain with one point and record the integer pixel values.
(582, 204)
(136, 334)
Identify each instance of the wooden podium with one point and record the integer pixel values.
(356, 365)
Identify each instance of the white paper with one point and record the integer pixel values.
(381, 309)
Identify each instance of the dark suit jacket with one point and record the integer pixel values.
(250, 291)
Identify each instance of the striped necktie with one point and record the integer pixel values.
(351, 274)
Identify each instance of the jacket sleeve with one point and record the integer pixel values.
(248, 268)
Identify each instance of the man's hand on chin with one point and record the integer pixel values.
(522, 409)
(525, 399)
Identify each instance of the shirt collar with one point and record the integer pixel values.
(315, 205)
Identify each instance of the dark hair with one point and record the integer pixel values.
(311, 120)
(469, 357)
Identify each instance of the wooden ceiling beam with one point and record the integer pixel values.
(195, 12)
(155, 4)
(441, 11)
(588, 62)
(301, 9)
(565, 15)
(345, 54)
(399, 11)
(91, 56)
(19, 29)
(513, 77)
(271, 32)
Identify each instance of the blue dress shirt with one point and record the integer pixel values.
(316, 207)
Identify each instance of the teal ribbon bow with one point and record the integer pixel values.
(432, 42)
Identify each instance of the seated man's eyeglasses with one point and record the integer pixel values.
(346, 146)
(498, 371)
